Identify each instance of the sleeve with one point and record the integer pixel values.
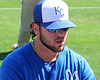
(87, 73)
(11, 69)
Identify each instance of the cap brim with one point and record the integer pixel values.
(59, 24)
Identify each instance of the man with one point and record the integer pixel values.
(47, 57)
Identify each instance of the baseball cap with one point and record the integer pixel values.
(53, 14)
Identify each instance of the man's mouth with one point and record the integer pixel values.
(60, 42)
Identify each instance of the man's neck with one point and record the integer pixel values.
(44, 53)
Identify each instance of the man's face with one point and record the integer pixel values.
(53, 41)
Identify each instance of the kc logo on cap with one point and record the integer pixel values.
(59, 10)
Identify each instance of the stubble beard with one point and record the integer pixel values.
(47, 44)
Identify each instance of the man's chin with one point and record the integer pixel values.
(61, 48)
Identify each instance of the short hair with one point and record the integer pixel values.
(31, 30)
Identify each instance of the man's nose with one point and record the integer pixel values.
(60, 33)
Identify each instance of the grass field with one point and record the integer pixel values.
(85, 39)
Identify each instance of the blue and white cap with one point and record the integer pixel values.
(53, 14)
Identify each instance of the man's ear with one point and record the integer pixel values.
(35, 28)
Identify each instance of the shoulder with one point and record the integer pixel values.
(15, 61)
(75, 58)
(79, 63)
(73, 54)
(17, 56)
(25, 50)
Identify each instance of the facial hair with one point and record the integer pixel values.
(47, 44)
